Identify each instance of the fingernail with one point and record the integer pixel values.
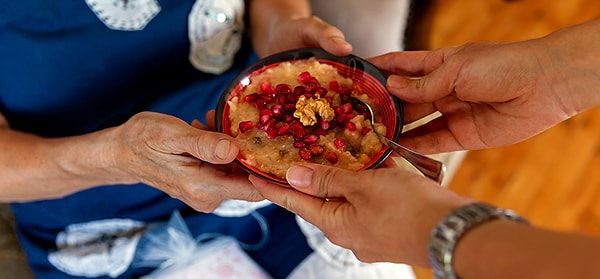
(396, 82)
(299, 176)
(339, 40)
(222, 149)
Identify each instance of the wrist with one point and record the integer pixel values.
(448, 232)
(569, 59)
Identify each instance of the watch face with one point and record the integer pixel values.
(126, 15)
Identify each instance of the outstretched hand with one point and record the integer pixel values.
(185, 161)
(489, 94)
(382, 214)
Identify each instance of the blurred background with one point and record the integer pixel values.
(553, 178)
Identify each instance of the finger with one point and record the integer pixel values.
(431, 138)
(229, 185)
(390, 162)
(318, 33)
(425, 89)
(415, 112)
(210, 120)
(412, 63)
(407, 63)
(321, 181)
(418, 76)
(212, 147)
(197, 124)
(308, 207)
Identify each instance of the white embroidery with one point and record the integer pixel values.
(125, 15)
(215, 33)
(97, 248)
(238, 208)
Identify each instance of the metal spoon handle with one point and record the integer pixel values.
(427, 166)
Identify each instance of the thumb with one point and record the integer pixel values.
(320, 181)
(212, 147)
(425, 89)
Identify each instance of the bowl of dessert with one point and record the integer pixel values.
(301, 106)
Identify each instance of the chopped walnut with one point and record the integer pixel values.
(307, 110)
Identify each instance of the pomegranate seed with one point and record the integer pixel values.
(261, 103)
(283, 89)
(351, 126)
(324, 124)
(360, 108)
(322, 91)
(264, 119)
(271, 131)
(282, 99)
(347, 108)
(304, 154)
(310, 139)
(277, 111)
(316, 149)
(338, 110)
(289, 107)
(299, 91)
(304, 77)
(265, 97)
(283, 130)
(334, 85)
(251, 98)
(299, 134)
(342, 119)
(246, 126)
(344, 90)
(345, 99)
(331, 157)
(315, 81)
(365, 130)
(288, 118)
(266, 88)
(339, 143)
(312, 86)
(320, 132)
(299, 144)
(296, 125)
(264, 112)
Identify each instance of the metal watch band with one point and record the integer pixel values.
(446, 234)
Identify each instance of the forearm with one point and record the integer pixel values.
(34, 168)
(264, 15)
(571, 58)
(505, 249)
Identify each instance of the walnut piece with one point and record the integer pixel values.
(308, 109)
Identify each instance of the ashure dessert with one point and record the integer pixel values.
(302, 110)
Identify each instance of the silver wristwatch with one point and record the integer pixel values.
(444, 236)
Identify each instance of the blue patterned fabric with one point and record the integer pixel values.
(63, 72)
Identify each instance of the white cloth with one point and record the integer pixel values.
(372, 27)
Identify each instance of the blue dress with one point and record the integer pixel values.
(67, 68)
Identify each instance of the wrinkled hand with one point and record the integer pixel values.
(300, 33)
(186, 162)
(489, 94)
(384, 214)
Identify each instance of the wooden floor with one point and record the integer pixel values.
(553, 179)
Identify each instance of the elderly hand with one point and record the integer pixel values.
(186, 162)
